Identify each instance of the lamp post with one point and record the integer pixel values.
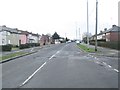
(96, 25)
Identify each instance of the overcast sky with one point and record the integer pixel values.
(62, 16)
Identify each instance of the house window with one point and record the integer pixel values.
(8, 33)
(8, 41)
(3, 41)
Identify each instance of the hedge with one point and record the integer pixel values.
(113, 45)
(7, 47)
(28, 45)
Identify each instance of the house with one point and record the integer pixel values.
(9, 35)
(45, 40)
(110, 35)
(23, 37)
(113, 33)
(33, 38)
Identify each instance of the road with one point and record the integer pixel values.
(58, 66)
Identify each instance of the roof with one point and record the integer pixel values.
(113, 29)
(12, 30)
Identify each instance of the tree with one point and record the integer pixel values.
(55, 36)
(105, 29)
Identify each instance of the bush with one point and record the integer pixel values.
(113, 45)
(23, 46)
(28, 45)
(7, 47)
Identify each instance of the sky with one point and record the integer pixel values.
(61, 16)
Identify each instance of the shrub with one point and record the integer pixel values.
(23, 46)
(7, 47)
(113, 45)
(28, 45)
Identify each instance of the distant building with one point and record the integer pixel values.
(110, 35)
(44, 40)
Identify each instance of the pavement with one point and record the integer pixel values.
(59, 66)
(104, 51)
(107, 55)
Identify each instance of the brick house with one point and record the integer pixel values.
(113, 33)
(45, 40)
(110, 35)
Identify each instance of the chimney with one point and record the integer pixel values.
(113, 25)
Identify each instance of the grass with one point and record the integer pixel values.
(15, 48)
(11, 55)
(85, 48)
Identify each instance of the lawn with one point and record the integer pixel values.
(12, 55)
(85, 48)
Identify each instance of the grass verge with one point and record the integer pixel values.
(12, 55)
(15, 48)
(85, 48)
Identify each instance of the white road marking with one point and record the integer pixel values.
(104, 63)
(58, 52)
(116, 70)
(52, 56)
(109, 66)
(97, 62)
(32, 75)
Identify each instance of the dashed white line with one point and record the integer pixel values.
(104, 63)
(116, 70)
(58, 52)
(109, 66)
(32, 75)
(97, 62)
(52, 56)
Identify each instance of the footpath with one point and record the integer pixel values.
(105, 57)
(101, 51)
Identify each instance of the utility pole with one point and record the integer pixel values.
(87, 25)
(79, 34)
(96, 25)
(65, 35)
(76, 30)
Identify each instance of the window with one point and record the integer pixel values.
(8, 33)
(8, 41)
(3, 41)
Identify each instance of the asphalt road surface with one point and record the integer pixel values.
(58, 66)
